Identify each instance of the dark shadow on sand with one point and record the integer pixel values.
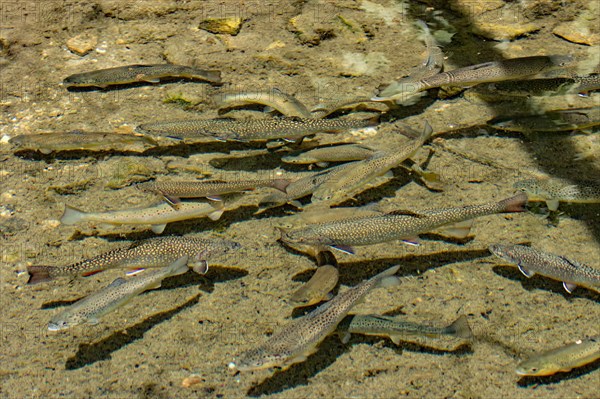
(88, 354)
(329, 350)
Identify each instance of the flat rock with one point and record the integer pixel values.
(577, 32)
(82, 43)
(228, 26)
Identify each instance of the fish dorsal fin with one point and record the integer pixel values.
(119, 281)
(403, 212)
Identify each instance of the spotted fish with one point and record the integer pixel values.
(494, 71)
(406, 226)
(565, 358)
(153, 252)
(300, 338)
(118, 293)
(531, 261)
(140, 73)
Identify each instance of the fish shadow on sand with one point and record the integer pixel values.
(461, 349)
(353, 273)
(301, 373)
(528, 381)
(66, 155)
(88, 354)
(58, 304)
(329, 350)
(545, 283)
(206, 282)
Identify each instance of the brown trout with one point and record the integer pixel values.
(118, 293)
(566, 358)
(494, 71)
(396, 329)
(173, 190)
(318, 288)
(291, 129)
(284, 103)
(153, 252)
(560, 120)
(140, 73)
(339, 153)
(554, 191)
(531, 261)
(83, 141)
(343, 234)
(343, 186)
(542, 87)
(300, 337)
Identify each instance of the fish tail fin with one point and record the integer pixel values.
(214, 76)
(178, 267)
(72, 215)
(460, 328)
(513, 204)
(38, 274)
(281, 185)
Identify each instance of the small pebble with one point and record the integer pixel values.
(191, 380)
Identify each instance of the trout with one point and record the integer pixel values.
(158, 215)
(301, 337)
(396, 329)
(153, 252)
(284, 103)
(173, 190)
(140, 73)
(494, 71)
(344, 234)
(47, 143)
(554, 191)
(113, 296)
(566, 358)
(532, 261)
(290, 129)
(344, 186)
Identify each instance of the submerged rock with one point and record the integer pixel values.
(228, 26)
(82, 43)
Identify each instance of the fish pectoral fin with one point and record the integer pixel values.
(345, 337)
(150, 80)
(347, 249)
(158, 228)
(458, 230)
(403, 212)
(526, 272)
(414, 241)
(396, 339)
(552, 204)
(93, 321)
(200, 267)
(569, 287)
(133, 272)
(154, 286)
(216, 198)
(322, 164)
(328, 296)
(216, 215)
(173, 201)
